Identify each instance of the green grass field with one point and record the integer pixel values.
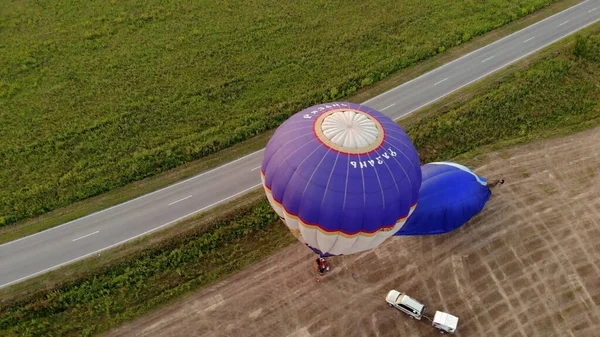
(559, 93)
(99, 94)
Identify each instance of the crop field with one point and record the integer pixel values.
(140, 283)
(98, 94)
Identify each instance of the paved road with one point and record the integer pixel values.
(50, 249)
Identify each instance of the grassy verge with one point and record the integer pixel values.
(131, 190)
(138, 282)
(96, 96)
(548, 95)
(81, 269)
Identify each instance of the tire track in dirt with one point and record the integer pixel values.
(528, 265)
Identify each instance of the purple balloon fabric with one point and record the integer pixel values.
(342, 169)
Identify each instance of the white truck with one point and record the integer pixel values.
(406, 304)
(442, 321)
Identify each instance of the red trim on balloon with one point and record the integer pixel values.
(335, 230)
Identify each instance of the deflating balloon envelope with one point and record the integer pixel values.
(343, 177)
(451, 194)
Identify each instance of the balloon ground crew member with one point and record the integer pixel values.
(493, 184)
(322, 265)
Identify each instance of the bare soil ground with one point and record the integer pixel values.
(528, 265)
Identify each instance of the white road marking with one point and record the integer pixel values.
(480, 50)
(591, 10)
(85, 236)
(182, 199)
(436, 83)
(256, 168)
(131, 238)
(493, 71)
(564, 23)
(132, 200)
(529, 39)
(487, 59)
(387, 107)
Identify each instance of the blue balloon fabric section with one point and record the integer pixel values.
(451, 194)
(343, 177)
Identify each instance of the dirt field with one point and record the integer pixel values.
(528, 265)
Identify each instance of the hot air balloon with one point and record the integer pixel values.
(342, 177)
(451, 194)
